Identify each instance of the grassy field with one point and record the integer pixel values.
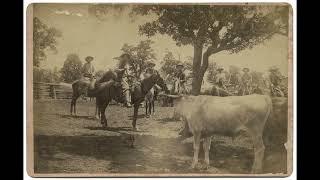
(78, 144)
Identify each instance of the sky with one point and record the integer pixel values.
(85, 35)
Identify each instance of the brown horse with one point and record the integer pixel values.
(140, 92)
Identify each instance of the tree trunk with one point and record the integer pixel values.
(200, 68)
(197, 77)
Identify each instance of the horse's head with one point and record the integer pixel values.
(160, 82)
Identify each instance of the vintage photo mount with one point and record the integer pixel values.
(29, 112)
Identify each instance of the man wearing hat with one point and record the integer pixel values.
(88, 71)
(275, 79)
(221, 78)
(180, 78)
(246, 81)
(126, 76)
(149, 70)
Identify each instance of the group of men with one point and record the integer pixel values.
(124, 71)
(245, 84)
(129, 79)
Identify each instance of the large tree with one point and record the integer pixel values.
(71, 69)
(211, 29)
(141, 55)
(44, 38)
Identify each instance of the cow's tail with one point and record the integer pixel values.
(269, 110)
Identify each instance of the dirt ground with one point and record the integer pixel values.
(78, 144)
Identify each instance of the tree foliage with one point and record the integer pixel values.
(214, 28)
(46, 75)
(141, 55)
(44, 38)
(169, 62)
(71, 69)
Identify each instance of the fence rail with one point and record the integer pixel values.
(51, 91)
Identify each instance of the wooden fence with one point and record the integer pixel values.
(51, 91)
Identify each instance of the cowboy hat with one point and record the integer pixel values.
(273, 68)
(125, 55)
(89, 58)
(151, 63)
(245, 69)
(220, 68)
(180, 64)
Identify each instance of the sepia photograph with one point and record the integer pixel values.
(159, 90)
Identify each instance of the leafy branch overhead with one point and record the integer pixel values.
(216, 27)
(141, 55)
(44, 38)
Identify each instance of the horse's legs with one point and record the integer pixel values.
(153, 106)
(146, 104)
(97, 114)
(103, 116)
(135, 115)
(71, 105)
(149, 104)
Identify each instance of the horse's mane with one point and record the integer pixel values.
(107, 76)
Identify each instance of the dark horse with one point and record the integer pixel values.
(102, 85)
(139, 93)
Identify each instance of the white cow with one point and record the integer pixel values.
(208, 115)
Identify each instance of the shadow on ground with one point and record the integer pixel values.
(94, 154)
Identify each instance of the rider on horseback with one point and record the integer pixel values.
(88, 72)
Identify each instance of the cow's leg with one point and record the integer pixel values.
(258, 148)
(196, 147)
(206, 148)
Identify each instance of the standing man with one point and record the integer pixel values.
(180, 79)
(126, 74)
(246, 81)
(221, 78)
(275, 80)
